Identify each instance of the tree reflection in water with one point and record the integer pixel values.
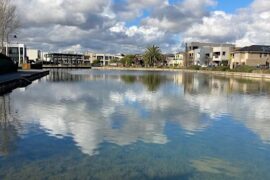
(151, 81)
(8, 127)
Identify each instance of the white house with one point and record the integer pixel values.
(103, 58)
(17, 52)
(178, 60)
(222, 54)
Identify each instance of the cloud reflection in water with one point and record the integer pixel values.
(126, 107)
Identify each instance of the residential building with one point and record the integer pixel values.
(169, 57)
(65, 58)
(34, 55)
(202, 56)
(90, 57)
(222, 54)
(203, 53)
(17, 52)
(178, 60)
(255, 55)
(103, 58)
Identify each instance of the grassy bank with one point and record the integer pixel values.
(247, 72)
(244, 69)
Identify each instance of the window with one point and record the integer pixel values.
(260, 55)
(21, 51)
(13, 50)
(223, 53)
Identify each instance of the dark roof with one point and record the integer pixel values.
(169, 55)
(255, 48)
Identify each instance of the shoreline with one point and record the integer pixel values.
(219, 73)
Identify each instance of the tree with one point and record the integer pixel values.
(152, 56)
(9, 22)
(114, 60)
(128, 60)
(96, 62)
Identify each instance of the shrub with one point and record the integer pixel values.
(96, 63)
(194, 67)
(221, 68)
(7, 65)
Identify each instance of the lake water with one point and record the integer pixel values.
(90, 124)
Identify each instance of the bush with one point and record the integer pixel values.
(221, 68)
(194, 67)
(7, 65)
(96, 63)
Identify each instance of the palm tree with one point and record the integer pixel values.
(152, 56)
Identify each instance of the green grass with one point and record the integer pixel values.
(246, 69)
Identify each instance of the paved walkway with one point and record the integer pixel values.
(17, 75)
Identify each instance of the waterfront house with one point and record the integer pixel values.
(90, 57)
(17, 52)
(178, 60)
(222, 54)
(255, 55)
(102, 57)
(169, 58)
(204, 54)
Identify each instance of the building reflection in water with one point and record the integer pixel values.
(126, 107)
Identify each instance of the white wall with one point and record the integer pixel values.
(221, 50)
(33, 54)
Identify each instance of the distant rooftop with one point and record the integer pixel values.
(255, 48)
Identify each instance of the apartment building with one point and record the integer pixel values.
(65, 58)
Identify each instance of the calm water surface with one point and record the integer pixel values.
(87, 124)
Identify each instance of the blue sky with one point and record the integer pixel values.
(231, 5)
(226, 5)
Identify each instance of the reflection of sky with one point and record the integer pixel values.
(98, 109)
